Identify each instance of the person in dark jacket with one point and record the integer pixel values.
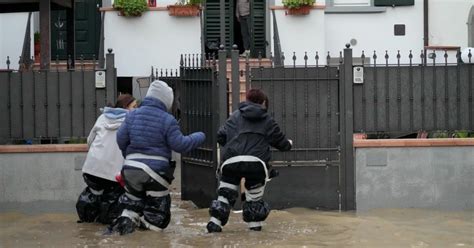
(246, 138)
(146, 139)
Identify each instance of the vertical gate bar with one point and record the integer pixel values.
(295, 112)
(399, 97)
(387, 92)
(283, 114)
(235, 78)
(306, 115)
(423, 67)
(272, 87)
(471, 114)
(364, 98)
(446, 92)
(21, 106)
(318, 109)
(222, 83)
(71, 95)
(435, 92)
(83, 103)
(458, 91)
(46, 103)
(34, 104)
(376, 117)
(346, 138)
(9, 104)
(410, 89)
(58, 103)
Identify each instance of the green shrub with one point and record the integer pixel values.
(189, 2)
(461, 134)
(36, 37)
(131, 7)
(294, 4)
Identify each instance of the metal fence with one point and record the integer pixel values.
(53, 106)
(421, 95)
(201, 111)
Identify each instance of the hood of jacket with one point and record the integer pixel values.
(114, 117)
(252, 111)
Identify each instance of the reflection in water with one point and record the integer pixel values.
(292, 227)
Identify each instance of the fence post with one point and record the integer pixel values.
(222, 86)
(235, 77)
(110, 78)
(346, 132)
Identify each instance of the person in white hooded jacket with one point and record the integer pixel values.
(98, 201)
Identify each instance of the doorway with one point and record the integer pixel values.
(232, 27)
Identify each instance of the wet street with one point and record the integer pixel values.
(292, 227)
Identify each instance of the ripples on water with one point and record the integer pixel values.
(292, 227)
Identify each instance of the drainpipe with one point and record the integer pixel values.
(425, 27)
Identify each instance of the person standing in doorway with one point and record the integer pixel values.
(242, 12)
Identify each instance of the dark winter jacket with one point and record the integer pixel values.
(151, 130)
(251, 131)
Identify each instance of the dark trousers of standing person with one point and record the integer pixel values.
(99, 200)
(255, 210)
(245, 30)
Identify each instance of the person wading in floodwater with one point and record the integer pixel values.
(246, 138)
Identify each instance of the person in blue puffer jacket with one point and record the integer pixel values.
(146, 139)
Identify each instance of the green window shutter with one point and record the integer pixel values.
(258, 42)
(394, 2)
(212, 22)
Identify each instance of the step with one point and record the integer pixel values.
(62, 65)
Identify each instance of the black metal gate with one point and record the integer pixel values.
(305, 103)
(199, 112)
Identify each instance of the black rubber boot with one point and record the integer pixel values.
(256, 228)
(213, 227)
(124, 225)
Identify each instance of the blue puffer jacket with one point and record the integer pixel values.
(151, 130)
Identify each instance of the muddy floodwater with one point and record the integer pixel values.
(295, 227)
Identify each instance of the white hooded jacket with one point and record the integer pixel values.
(104, 158)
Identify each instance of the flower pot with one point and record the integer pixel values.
(37, 52)
(183, 10)
(122, 13)
(302, 10)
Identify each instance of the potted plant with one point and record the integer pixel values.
(185, 8)
(131, 7)
(37, 46)
(298, 7)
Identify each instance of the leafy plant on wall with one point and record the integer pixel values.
(298, 7)
(295, 4)
(131, 7)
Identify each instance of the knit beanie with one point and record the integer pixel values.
(161, 91)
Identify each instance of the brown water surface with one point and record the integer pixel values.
(293, 227)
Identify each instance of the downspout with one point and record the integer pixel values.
(425, 27)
